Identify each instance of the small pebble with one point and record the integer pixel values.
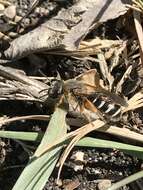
(1, 7)
(17, 18)
(104, 184)
(10, 12)
(26, 21)
(1, 35)
(1, 10)
(78, 168)
(79, 156)
(42, 10)
(13, 34)
(25, 7)
(37, 10)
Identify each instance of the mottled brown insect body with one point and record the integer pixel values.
(86, 87)
(110, 109)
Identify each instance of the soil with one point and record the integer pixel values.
(98, 164)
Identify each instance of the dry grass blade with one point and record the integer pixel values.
(86, 129)
(135, 102)
(90, 47)
(4, 120)
(122, 132)
(104, 70)
(125, 76)
(118, 51)
(18, 75)
(15, 85)
(139, 31)
(67, 151)
(101, 43)
(80, 134)
(127, 180)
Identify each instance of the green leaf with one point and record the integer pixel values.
(127, 148)
(87, 141)
(38, 170)
(126, 180)
(25, 136)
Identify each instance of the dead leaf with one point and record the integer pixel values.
(58, 33)
(100, 12)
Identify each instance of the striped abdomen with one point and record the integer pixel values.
(107, 106)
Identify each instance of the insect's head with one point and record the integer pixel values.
(56, 89)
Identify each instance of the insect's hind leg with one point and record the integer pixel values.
(96, 114)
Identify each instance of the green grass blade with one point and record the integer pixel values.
(38, 170)
(25, 136)
(87, 142)
(99, 143)
(126, 180)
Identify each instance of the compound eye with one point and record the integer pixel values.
(56, 89)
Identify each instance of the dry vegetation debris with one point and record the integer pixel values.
(48, 55)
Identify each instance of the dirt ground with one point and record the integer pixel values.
(98, 165)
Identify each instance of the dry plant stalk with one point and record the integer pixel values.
(135, 102)
(105, 72)
(15, 85)
(139, 30)
(124, 77)
(118, 51)
(89, 47)
(5, 120)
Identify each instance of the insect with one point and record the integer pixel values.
(109, 108)
(86, 88)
